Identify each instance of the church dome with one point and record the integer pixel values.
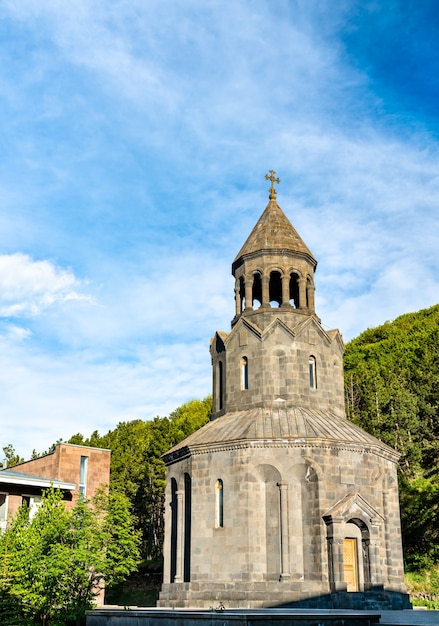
(277, 427)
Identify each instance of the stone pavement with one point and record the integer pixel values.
(410, 618)
(134, 616)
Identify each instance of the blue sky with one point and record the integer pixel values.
(135, 136)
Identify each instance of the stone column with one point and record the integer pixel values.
(285, 290)
(248, 293)
(336, 541)
(265, 291)
(238, 304)
(310, 293)
(180, 538)
(302, 293)
(365, 549)
(285, 544)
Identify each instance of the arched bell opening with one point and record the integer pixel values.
(257, 290)
(275, 289)
(294, 290)
(241, 294)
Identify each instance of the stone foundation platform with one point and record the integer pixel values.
(218, 617)
(273, 595)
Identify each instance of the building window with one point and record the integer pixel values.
(3, 510)
(219, 504)
(83, 470)
(312, 373)
(187, 528)
(33, 503)
(244, 372)
(220, 386)
(174, 520)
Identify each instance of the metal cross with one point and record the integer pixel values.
(272, 190)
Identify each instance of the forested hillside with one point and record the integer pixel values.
(392, 391)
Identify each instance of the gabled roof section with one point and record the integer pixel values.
(248, 325)
(260, 333)
(274, 231)
(217, 343)
(336, 334)
(349, 506)
(278, 322)
(315, 323)
(293, 330)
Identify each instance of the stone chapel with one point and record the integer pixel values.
(279, 499)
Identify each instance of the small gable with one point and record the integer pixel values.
(217, 343)
(353, 505)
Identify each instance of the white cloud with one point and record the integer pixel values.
(28, 287)
(17, 333)
(45, 398)
(401, 287)
(143, 131)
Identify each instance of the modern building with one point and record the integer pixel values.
(280, 499)
(71, 468)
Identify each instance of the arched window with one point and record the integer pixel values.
(312, 373)
(244, 372)
(220, 386)
(219, 504)
(187, 528)
(174, 517)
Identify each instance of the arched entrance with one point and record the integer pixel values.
(356, 558)
(348, 536)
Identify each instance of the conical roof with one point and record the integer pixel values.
(274, 231)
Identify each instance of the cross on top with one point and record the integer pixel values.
(272, 190)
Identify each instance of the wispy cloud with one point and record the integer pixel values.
(135, 138)
(27, 287)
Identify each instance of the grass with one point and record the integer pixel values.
(140, 589)
(423, 587)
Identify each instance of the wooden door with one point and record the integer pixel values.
(350, 560)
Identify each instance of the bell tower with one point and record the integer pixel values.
(274, 270)
(278, 354)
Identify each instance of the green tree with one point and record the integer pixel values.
(392, 391)
(55, 564)
(11, 457)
